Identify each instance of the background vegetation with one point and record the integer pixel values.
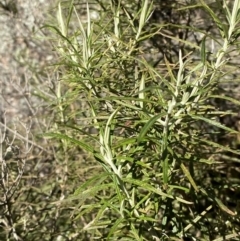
(134, 128)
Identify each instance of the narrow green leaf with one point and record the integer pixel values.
(96, 180)
(85, 209)
(219, 146)
(82, 144)
(146, 186)
(115, 228)
(170, 72)
(222, 27)
(214, 123)
(108, 127)
(61, 20)
(223, 207)
(224, 97)
(147, 126)
(69, 14)
(124, 142)
(165, 167)
(141, 94)
(62, 36)
(219, 202)
(150, 188)
(189, 177)
(88, 23)
(185, 189)
(143, 16)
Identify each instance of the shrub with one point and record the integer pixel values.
(140, 112)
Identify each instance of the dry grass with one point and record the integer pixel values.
(120, 157)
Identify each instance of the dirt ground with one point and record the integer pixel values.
(23, 53)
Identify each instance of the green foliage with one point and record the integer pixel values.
(156, 128)
(138, 128)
